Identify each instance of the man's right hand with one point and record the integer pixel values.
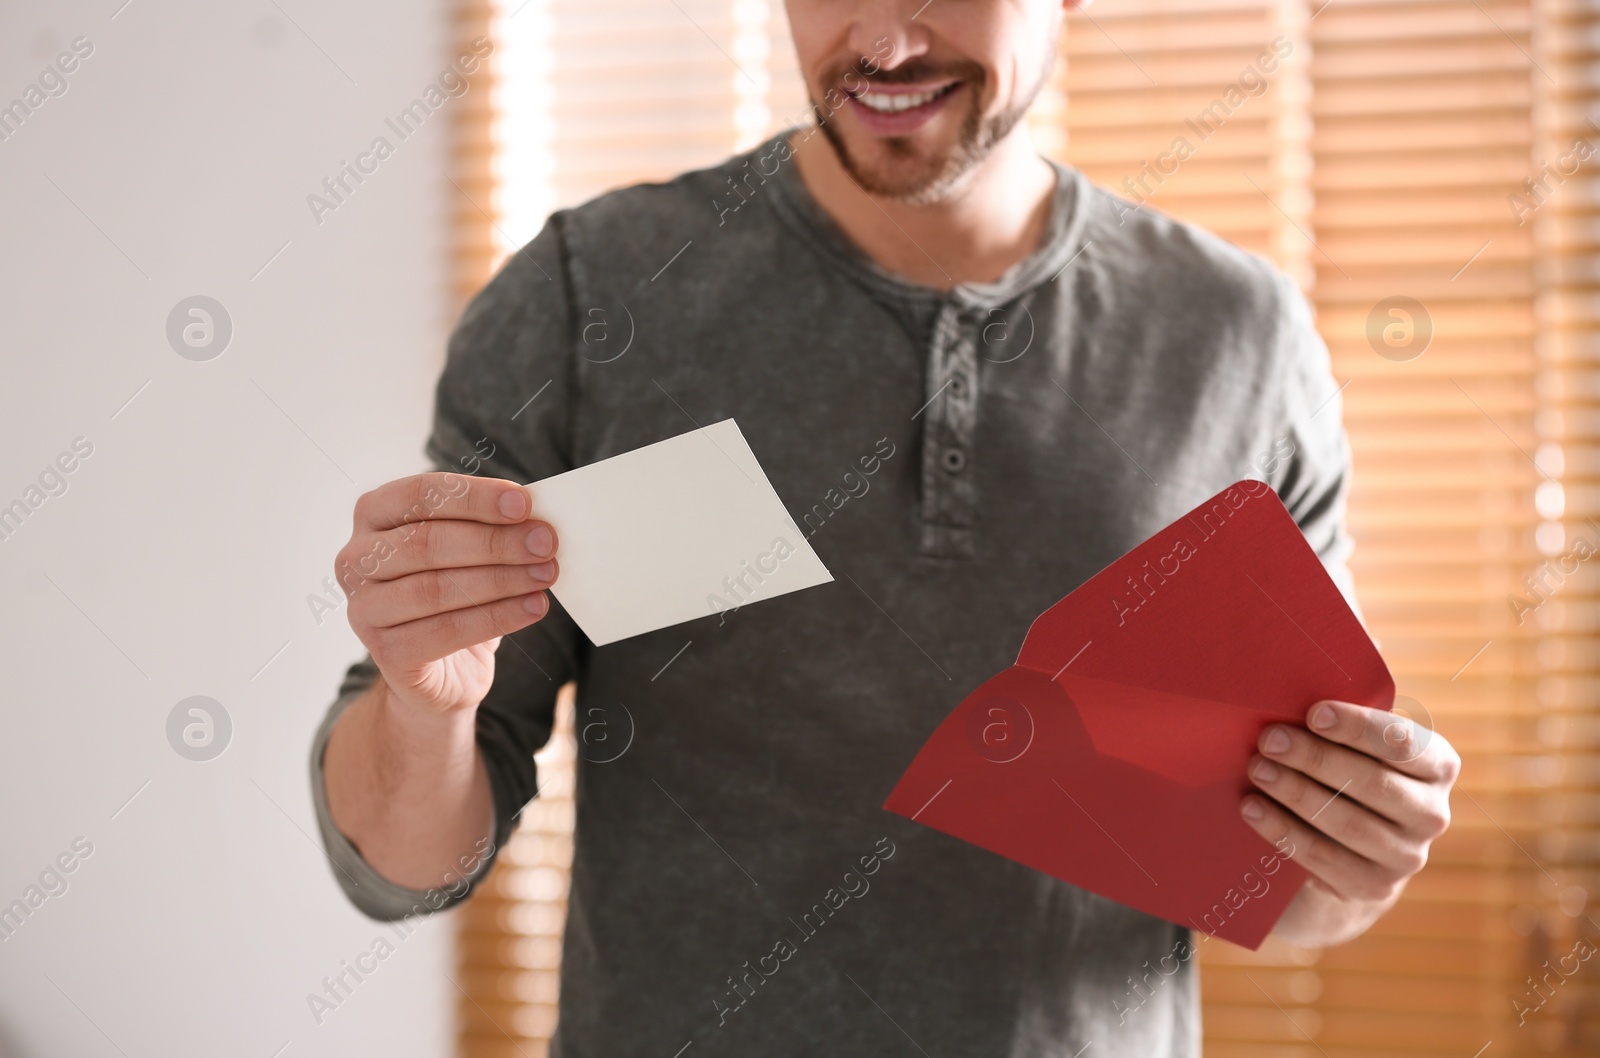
(438, 568)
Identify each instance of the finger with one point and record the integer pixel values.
(436, 591)
(417, 643)
(447, 544)
(1379, 733)
(1349, 875)
(424, 497)
(1373, 783)
(1363, 832)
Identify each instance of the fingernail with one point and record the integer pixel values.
(536, 604)
(1323, 716)
(1277, 740)
(1266, 771)
(542, 571)
(513, 503)
(1251, 809)
(540, 542)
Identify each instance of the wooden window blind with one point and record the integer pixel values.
(1188, 107)
(474, 253)
(1421, 119)
(1565, 223)
(601, 94)
(1376, 150)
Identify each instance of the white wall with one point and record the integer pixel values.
(180, 558)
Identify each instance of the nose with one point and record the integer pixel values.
(887, 33)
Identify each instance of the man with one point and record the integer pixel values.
(975, 379)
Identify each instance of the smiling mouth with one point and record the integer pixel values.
(895, 102)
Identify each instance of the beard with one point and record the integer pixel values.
(897, 167)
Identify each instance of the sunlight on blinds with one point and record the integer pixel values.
(1559, 198)
(1424, 293)
(1196, 108)
(599, 94)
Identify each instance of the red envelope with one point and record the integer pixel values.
(1113, 754)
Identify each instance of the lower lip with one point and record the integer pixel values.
(901, 122)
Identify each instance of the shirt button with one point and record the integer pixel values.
(954, 460)
(958, 386)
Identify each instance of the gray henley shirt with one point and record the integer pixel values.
(960, 461)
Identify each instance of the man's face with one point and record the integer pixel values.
(914, 93)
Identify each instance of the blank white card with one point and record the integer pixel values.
(670, 532)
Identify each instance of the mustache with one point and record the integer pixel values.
(848, 76)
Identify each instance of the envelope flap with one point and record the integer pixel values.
(1228, 604)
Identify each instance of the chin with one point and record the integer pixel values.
(896, 169)
(902, 167)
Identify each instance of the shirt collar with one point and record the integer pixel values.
(1061, 243)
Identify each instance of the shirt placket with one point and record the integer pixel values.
(949, 427)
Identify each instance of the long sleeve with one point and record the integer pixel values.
(504, 408)
(1312, 452)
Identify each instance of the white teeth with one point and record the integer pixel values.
(885, 103)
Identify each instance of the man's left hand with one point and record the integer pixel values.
(1355, 797)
